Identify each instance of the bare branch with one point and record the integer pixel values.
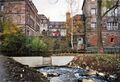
(73, 6)
(114, 6)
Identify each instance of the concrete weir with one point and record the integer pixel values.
(41, 61)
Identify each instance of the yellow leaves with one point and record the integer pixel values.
(9, 27)
(14, 28)
(107, 3)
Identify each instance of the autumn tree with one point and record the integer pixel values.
(73, 8)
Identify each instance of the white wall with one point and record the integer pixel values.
(31, 61)
(40, 61)
(61, 60)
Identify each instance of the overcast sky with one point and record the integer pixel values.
(55, 12)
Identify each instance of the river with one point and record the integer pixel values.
(69, 74)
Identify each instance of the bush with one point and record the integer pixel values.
(18, 44)
(35, 44)
(13, 42)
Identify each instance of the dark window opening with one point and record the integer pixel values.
(112, 40)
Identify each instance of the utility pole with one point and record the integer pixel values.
(99, 26)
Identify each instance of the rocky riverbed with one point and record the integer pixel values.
(12, 71)
(70, 74)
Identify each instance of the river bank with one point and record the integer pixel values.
(107, 64)
(12, 71)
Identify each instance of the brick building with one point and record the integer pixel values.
(79, 32)
(57, 29)
(75, 25)
(44, 21)
(110, 26)
(24, 14)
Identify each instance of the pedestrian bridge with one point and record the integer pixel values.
(44, 61)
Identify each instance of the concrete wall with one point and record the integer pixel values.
(31, 61)
(41, 61)
(61, 60)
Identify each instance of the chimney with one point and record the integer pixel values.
(68, 18)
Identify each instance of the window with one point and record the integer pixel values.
(93, 25)
(50, 26)
(2, 8)
(112, 40)
(112, 26)
(37, 28)
(109, 26)
(113, 12)
(31, 23)
(93, 11)
(18, 19)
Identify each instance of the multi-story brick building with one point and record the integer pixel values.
(57, 29)
(75, 27)
(23, 13)
(110, 26)
(78, 32)
(44, 24)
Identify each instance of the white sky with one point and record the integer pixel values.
(55, 12)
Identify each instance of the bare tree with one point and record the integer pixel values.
(73, 8)
(99, 22)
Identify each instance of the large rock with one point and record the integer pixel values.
(87, 80)
(65, 78)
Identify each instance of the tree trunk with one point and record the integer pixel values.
(99, 27)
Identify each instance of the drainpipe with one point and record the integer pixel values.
(1, 18)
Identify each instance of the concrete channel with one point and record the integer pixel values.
(44, 61)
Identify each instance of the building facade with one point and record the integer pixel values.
(24, 14)
(110, 26)
(78, 32)
(75, 30)
(44, 21)
(57, 29)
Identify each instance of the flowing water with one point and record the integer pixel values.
(67, 74)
